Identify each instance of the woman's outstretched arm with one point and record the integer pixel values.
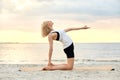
(79, 28)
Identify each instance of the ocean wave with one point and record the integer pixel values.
(101, 60)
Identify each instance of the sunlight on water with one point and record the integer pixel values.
(38, 53)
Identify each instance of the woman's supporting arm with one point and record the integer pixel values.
(50, 49)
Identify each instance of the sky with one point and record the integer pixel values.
(20, 20)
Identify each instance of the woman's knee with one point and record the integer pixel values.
(70, 67)
(70, 63)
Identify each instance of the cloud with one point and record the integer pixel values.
(78, 10)
(0, 6)
(82, 7)
(93, 7)
(26, 14)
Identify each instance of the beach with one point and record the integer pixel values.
(11, 72)
(15, 56)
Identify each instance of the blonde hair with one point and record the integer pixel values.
(45, 30)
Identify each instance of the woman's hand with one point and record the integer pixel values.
(85, 27)
(50, 64)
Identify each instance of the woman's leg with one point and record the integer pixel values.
(68, 66)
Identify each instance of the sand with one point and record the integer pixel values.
(11, 72)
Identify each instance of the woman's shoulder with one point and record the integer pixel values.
(59, 30)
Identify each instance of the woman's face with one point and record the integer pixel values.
(50, 24)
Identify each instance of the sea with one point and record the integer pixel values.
(37, 53)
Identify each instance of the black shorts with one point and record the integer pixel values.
(69, 51)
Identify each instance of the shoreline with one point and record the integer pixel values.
(60, 61)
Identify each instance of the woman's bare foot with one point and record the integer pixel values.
(47, 68)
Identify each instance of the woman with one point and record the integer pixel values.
(59, 35)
